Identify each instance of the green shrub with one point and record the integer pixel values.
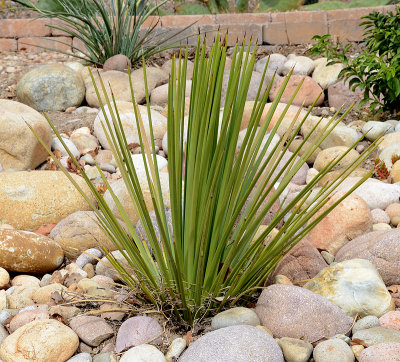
(218, 194)
(377, 69)
(106, 30)
(333, 5)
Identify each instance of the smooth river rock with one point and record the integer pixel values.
(355, 286)
(291, 311)
(24, 251)
(19, 148)
(29, 200)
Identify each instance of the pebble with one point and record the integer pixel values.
(295, 350)
(374, 129)
(88, 158)
(81, 357)
(235, 316)
(328, 257)
(393, 211)
(108, 167)
(379, 216)
(4, 278)
(333, 350)
(143, 353)
(365, 323)
(57, 145)
(176, 348)
(89, 256)
(376, 335)
(391, 320)
(381, 226)
(357, 349)
(105, 357)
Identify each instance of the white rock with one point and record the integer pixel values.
(275, 61)
(57, 145)
(176, 348)
(143, 353)
(302, 65)
(374, 129)
(333, 350)
(326, 75)
(387, 154)
(139, 164)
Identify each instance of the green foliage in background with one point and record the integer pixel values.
(333, 5)
(219, 194)
(376, 70)
(106, 30)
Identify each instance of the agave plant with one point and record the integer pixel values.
(106, 28)
(219, 195)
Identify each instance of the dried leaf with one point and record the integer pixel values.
(59, 318)
(356, 341)
(57, 298)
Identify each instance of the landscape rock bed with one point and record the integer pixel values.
(334, 297)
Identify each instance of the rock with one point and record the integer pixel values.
(297, 143)
(52, 87)
(91, 330)
(355, 286)
(127, 115)
(330, 155)
(119, 83)
(333, 175)
(312, 317)
(105, 357)
(44, 341)
(382, 352)
(156, 76)
(29, 200)
(114, 316)
(19, 148)
(119, 62)
(275, 62)
(350, 218)
(301, 65)
(139, 164)
(176, 348)
(333, 350)
(84, 141)
(4, 276)
(95, 290)
(381, 226)
(75, 66)
(377, 194)
(326, 75)
(166, 67)
(64, 311)
(25, 280)
(235, 343)
(143, 353)
(380, 248)
(57, 145)
(23, 251)
(340, 95)
(44, 294)
(365, 323)
(388, 140)
(20, 297)
(138, 330)
(3, 334)
(379, 216)
(89, 256)
(308, 92)
(27, 316)
(388, 153)
(295, 350)
(159, 95)
(81, 357)
(80, 231)
(235, 316)
(374, 129)
(341, 135)
(122, 193)
(328, 257)
(301, 263)
(395, 172)
(393, 211)
(376, 335)
(390, 320)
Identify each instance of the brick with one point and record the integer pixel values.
(357, 13)
(8, 45)
(236, 33)
(278, 17)
(243, 19)
(301, 26)
(179, 35)
(35, 44)
(186, 20)
(57, 32)
(18, 28)
(152, 21)
(275, 33)
(346, 30)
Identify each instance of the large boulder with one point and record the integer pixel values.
(301, 263)
(128, 119)
(80, 231)
(27, 252)
(52, 87)
(42, 340)
(355, 286)
(19, 148)
(381, 248)
(234, 344)
(29, 200)
(308, 92)
(290, 311)
(351, 218)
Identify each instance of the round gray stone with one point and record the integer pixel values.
(375, 335)
(365, 323)
(333, 350)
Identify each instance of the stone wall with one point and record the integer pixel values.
(296, 27)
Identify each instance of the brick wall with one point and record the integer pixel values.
(296, 27)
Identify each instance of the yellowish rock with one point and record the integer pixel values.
(40, 341)
(93, 289)
(330, 155)
(333, 175)
(395, 171)
(381, 226)
(24, 251)
(29, 200)
(357, 349)
(4, 278)
(43, 295)
(21, 297)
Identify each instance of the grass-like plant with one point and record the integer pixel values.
(219, 195)
(106, 29)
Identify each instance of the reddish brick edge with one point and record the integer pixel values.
(296, 27)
